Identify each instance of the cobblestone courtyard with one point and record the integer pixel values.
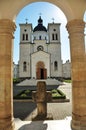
(25, 110)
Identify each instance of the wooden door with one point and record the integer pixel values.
(45, 73)
(38, 73)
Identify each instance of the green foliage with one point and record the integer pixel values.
(58, 94)
(23, 95)
(16, 80)
(54, 91)
(67, 81)
(27, 91)
(27, 94)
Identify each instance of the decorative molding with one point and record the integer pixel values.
(7, 27)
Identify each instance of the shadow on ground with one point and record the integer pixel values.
(38, 125)
(23, 109)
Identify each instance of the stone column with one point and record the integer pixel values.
(7, 28)
(77, 49)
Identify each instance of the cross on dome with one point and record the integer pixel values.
(40, 14)
(26, 20)
(53, 19)
(40, 26)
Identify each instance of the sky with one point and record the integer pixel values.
(47, 11)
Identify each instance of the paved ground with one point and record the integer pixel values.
(61, 114)
(43, 125)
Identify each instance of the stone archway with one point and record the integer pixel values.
(75, 28)
(41, 71)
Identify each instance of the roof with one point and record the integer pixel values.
(40, 26)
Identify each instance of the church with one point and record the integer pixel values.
(40, 51)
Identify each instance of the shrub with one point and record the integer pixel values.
(23, 95)
(16, 80)
(27, 91)
(54, 91)
(58, 94)
(67, 81)
(27, 94)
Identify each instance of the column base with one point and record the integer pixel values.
(7, 124)
(78, 123)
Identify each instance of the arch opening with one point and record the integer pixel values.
(59, 18)
(62, 5)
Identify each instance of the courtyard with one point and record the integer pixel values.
(24, 111)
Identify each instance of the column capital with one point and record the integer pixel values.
(7, 27)
(76, 35)
(75, 26)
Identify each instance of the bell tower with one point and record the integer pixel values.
(54, 48)
(25, 50)
(54, 32)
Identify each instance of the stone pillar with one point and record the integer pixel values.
(77, 49)
(7, 28)
(41, 96)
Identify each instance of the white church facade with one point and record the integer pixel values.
(40, 51)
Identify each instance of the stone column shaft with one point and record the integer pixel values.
(78, 63)
(7, 28)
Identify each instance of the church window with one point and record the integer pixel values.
(54, 29)
(52, 36)
(40, 37)
(24, 66)
(26, 36)
(56, 36)
(55, 65)
(23, 37)
(25, 30)
(40, 48)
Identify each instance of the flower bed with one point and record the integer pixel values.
(58, 94)
(27, 94)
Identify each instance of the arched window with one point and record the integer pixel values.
(55, 36)
(40, 37)
(55, 65)
(40, 48)
(23, 36)
(52, 36)
(24, 66)
(27, 37)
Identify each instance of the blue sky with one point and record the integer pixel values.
(48, 11)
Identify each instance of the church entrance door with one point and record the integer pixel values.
(41, 72)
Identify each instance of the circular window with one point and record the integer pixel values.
(25, 30)
(54, 30)
(40, 48)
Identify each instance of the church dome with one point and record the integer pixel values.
(40, 26)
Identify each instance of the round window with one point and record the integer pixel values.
(40, 48)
